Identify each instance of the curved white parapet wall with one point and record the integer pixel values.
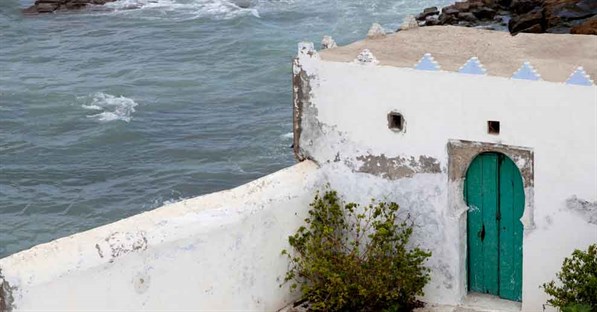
(215, 252)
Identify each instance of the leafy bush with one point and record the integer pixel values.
(353, 258)
(578, 279)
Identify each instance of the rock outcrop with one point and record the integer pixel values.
(529, 16)
(589, 27)
(50, 6)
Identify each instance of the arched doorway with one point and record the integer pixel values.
(494, 193)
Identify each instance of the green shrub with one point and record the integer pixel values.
(577, 308)
(577, 288)
(353, 258)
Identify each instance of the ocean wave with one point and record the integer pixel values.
(109, 107)
(224, 9)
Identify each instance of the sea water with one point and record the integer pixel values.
(119, 109)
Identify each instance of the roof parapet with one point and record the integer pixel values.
(473, 66)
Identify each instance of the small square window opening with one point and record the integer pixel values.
(395, 121)
(493, 127)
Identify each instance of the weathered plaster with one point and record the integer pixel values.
(397, 167)
(347, 134)
(585, 208)
(461, 154)
(303, 77)
(6, 297)
(215, 252)
(118, 244)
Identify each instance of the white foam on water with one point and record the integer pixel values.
(221, 9)
(288, 135)
(111, 107)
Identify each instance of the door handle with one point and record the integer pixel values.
(482, 233)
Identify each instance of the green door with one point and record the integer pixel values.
(495, 196)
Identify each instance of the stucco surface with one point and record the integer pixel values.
(211, 253)
(554, 56)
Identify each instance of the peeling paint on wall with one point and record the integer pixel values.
(302, 76)
(398, 167)
(6, 298)
(584, 208)
(462, 153)
(119, 244)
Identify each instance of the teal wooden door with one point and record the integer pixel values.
(494, 193)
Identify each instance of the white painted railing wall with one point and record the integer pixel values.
(215, 252)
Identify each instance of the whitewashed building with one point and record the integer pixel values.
(488, 141)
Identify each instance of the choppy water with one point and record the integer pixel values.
(105, 114)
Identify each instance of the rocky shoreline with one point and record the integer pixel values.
(516, 16)
(529, 16)
(50, 6)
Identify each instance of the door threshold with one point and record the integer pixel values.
(489, 303)
(476, 302)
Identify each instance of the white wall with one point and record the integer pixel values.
(345, 117)
(215, 252)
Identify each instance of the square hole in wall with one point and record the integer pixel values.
(493, 127)
(395, 121)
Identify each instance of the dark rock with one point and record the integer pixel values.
(30, 10)
(431, 20)
(589, 27)
(447, 19)
(46, 7)
(74, 6)
(484, 13)
(555, 16)
(467, 16)
(535, 29)
(49, 6)
(450, 11)
(560, 12)
(427, 12)
(504, 3)
(462, 6)
(526, 21)
(524, 6)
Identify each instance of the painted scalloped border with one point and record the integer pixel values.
(473, 67)
(526, 72)
(580, 77)
(427, 62)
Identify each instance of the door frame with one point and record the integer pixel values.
(460, 155)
